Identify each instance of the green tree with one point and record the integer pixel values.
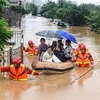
(60, 13)
(69, 5)
(51, 13)
(34, 11)
(94, 20)
(90, 6)
(47, 7)
(61, 3)
(19, 9)
(76, 15)
(32, 8)
(4, 33)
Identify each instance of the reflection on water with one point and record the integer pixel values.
(55, 87)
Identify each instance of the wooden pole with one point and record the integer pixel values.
(84, 73)
(11, 56)
(22, 44)
(22, 52)
(89, 69)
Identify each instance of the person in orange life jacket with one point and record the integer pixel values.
(32, 49)
(77, 50)
(18, 71)
(84, 59)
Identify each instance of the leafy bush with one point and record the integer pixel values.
(4, 33)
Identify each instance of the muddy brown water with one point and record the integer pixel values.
(55, 87)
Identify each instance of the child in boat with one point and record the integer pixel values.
(49, 56)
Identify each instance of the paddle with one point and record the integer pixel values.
(84, 73)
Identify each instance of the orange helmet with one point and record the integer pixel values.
(83, 47)
(30, 42)
(17, 61)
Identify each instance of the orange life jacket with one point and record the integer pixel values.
(21, 73)
(33, 51)
(78, 51)
(83, 60)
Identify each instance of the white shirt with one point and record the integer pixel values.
(47, 57)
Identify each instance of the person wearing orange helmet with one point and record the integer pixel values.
(32, 49)
(77, 51)
(84, 59)
(18, 71)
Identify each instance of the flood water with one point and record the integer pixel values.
(55, 87)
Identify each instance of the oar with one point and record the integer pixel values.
(84, 73)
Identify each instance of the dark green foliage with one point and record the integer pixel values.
(47, 8)
(94, 20)
(2, 6)
(19, 9)
(61, 3)
(4, 33)
(32, 8)
(76, 15)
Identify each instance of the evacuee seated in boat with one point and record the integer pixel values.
(59, 52)
(49, 56)
(54, 45)
(68, 51)
(59, 42)
(32, 49)
(84, 59)
(42, 47)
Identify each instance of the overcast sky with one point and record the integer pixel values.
(84, 1)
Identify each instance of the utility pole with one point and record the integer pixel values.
(20, 4)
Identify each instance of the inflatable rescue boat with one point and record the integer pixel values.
(51, 67)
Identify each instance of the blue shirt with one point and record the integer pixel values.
(42, 48)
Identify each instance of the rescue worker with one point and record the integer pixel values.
(18, 71)
(77, 51)
(84, 59)
(32, 49)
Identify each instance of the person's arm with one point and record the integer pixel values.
(26, 50)
(66, 52)
(5, 69)
(33, 72)
(91, 59)
(46, 57)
